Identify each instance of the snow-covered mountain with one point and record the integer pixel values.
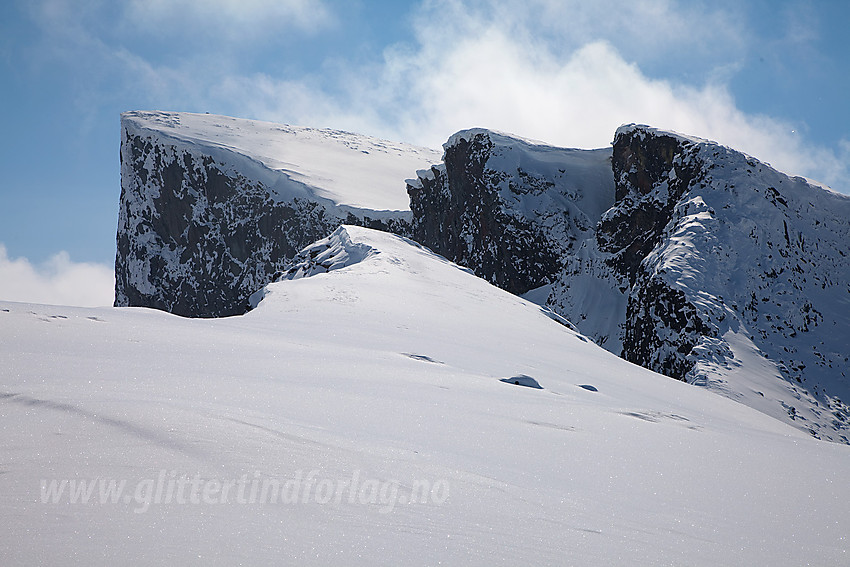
(676, 253)
(212, 206)
(375, 384)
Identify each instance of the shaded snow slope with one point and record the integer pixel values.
(388, 370)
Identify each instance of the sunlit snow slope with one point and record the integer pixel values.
(346, 168)
(383, 362)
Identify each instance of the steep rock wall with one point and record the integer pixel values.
(509, 209)
(202, 228)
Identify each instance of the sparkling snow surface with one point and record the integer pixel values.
(349, 169)
(389, 368)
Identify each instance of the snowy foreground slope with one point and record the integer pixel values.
(385, 374)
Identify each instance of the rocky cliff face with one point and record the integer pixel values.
(653, 172)
(693, 260)
(510, 209)
(749, 273)
(204, 222)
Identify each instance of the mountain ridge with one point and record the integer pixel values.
(673, 252)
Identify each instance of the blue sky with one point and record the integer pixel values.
(767, 77)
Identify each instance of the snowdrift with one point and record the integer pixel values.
(372, 395)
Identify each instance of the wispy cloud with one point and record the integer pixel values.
(470, 65)
(564, 71)
(169, 54)
(229, 20)
(57, 281)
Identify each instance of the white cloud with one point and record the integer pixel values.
(476, 67)
(57, 281)
(647, 29)
(564, 71)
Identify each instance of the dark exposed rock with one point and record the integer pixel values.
(662, 328)
(651, 173)
(470, 224)
(648, 186)
(196, 238)
(466, 209)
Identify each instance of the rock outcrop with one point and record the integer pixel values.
(509, 209)
(207, 217)
(747, 270)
